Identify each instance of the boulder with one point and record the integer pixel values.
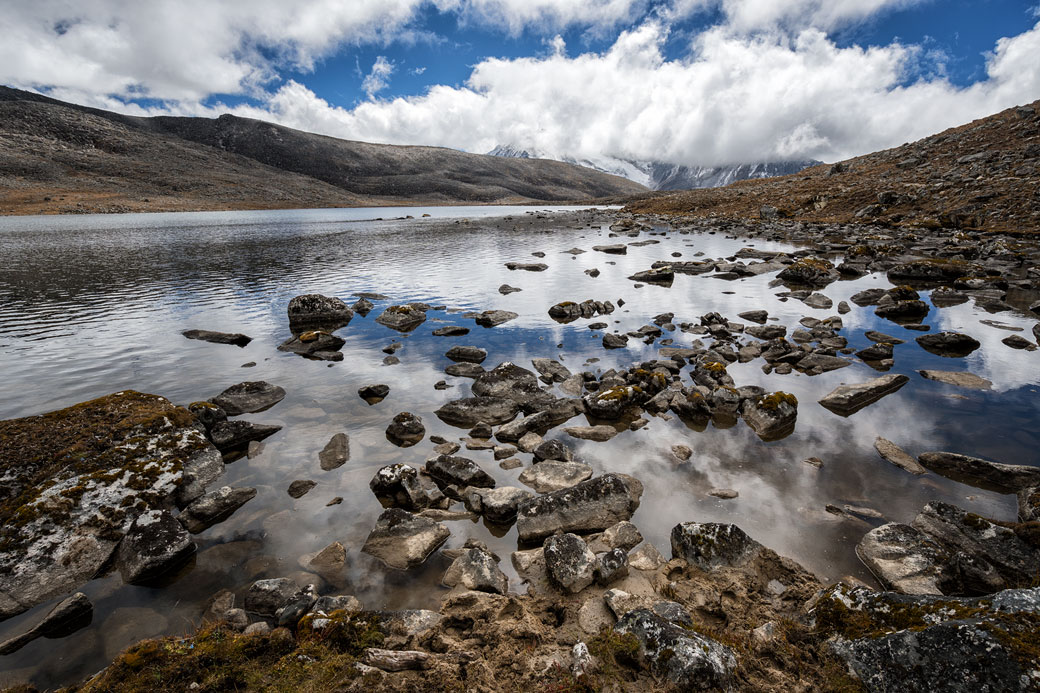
(266, 597)
(398, 485)
(238, 339)
(897, 456)
(300, 487)
(468, 354)
(812, 272)
(67, 616)
(509, 381)
(249, 397)
(214, 507)
(615, 341)
(601, 433)
(373, 394)
(470, 411)
(336, 452)
(903, 558)
(758, 316)
(155, 544)
(310, 310)
(992, 476)
(553, 450)
(402, 540)
(232, 435)
(959, 378)
(569, 563)
(314, 343)
(494, 318)
(547, 477)
(405, 430)
(949, 344)
(611, 566)
(84, 474)
(709, 545)
(772, 416)
(551, 370)
(476, 569)
(497, 505)
(680, 657)
(458, 471)
(402, 318)
(589, 506)
(846, 400)
(766, 332)
(611, 403)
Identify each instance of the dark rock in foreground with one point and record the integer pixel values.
(310, 311)
(155, 545)
(472, 410)
(684, 658)
(569, 563)
(949, 344)
(709, 545)
(236, 338)
(232, 435)
(373, 394)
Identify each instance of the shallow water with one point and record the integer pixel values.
(93, 305)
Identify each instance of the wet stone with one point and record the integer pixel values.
(405, 430)
(709, 545)
(403, 540)
(214, 507)
(300, 487)
(373, 394)
(336, 452)
(155, 545)
(249, 397)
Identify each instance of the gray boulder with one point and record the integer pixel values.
(709, 545)
(315, 343)
(458, 471)
(373, 394)
(589, 506)
(547, 477)
(846, 400)
(214, 507)
(611, 566)
(266, 597)
(903, 558)
(403, 540)
(683, 658)
(310, 310)
(398, 485)
(476, 569)
(405, 430)
(249, 397)
(470, 411)
(992, 476)
(771, 416)
(569, 563)
(155, 545)
(336, 452)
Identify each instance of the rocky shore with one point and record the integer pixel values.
(125, 482)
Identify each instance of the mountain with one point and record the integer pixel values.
(660, 176)
(61, 157)
(982, 175)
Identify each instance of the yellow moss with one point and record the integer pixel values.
(773, 400)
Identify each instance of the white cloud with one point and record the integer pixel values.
(379, 78)
(757, 15)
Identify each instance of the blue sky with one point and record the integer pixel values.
(698, 82)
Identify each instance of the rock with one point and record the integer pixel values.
(398, 485)
(547, 477)
(403, 540)
(759, 316)
(316, 344)
(402, 318)
(812, 272)
(553, 450)
(844, 308)
(527, 267)
(469, 354)
(1017, 342)
(300, 487)
(612, 566)
(155, 545)
(615, 341)
(505, 289)
(1029, 504)
(902, 643)
(681, 657)
(623, 535)
(663, 276)
(344, 602)
(464, 370)
(589, 506)
(846, 400)
(767, 332)
(249, 397)
(949, 344)
(902, 311)
(876, 336)
(709, 545)
(296, 608)
(373, 394)
(238, 339)
(260, 628)
(614, 249)
(476, 569)
(993, 476)
(569, 563)
(363, 307)
(312, 310)
(497, 505)
(231, 435)
(494, 318)
(958, 378)
(336, 452)
(897, 456)
(266, 597)
(405, 430)
(868, 297)
(724, 493)
(612, 403)
(646, 557)
(458, 471)
(330, 563)
(551, 370)
(818, 301)
(67, 616)
(396, 660)
(771, 416)
(903, 558)
(876, 352)
(451, 331)
(208, 414)
(599, 433)
(213, 508)
(472, 410)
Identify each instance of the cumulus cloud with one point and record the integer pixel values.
(379, 78)
(759, 15)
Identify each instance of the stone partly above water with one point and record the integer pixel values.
(235, 338)
(314, 310)
(402, 318)
(993, 476)
(958, 378)
(249, 397)
(68, 616)
(589, 506)
(849, 399)
(403, 540)
(73, 481)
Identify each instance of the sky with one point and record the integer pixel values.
(693, 82)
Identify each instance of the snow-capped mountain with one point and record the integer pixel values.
(660, 176)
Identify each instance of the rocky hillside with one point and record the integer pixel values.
(59, 157)
(984, 175)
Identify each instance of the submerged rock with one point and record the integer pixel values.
(155, 544)
(684, 658)
(232, 435)
(589, 506)
(958, 378)
(846, 400)
(494, 318)
(373, 394)
(249, 397)
(403, 540)
(897, 456)
(74, 481)
(336, 452)
(236, 338)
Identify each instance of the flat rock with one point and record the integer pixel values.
(300, 487)
(67, 616)
(547, 477)
(527, 266)
(612, 249)
(476, 569)
(451, 331)
(993, 476)
(470, 411)
(266, 597)
(496, 505)
(249, 397)
(336, 452)
(465, 370)
(236, 338)
(494, 318)
(849, 399)
(958, 378)
(232, 435)
(403, 318)
(589, 506)
(458, 471)
(405, 430)
(314, 343)
(897, 456)
(214, 507)
(311, 310)
(601, 433)
(403, 540)
(505, 289)
(903, 558)
(468, 354)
